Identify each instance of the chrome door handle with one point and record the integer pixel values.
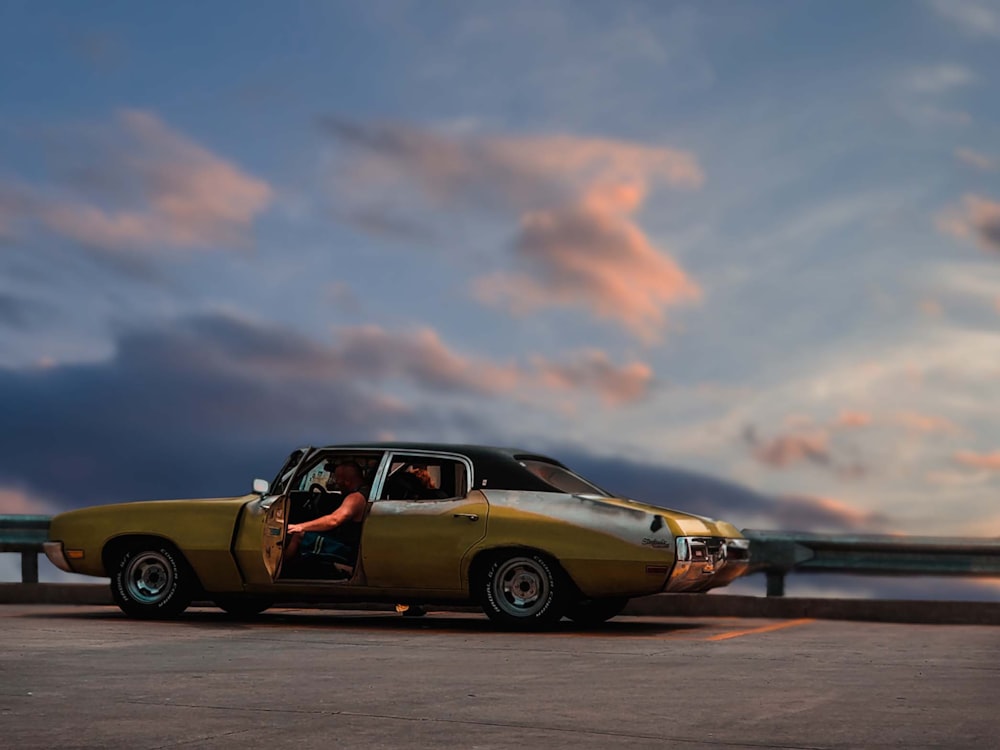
(470, 516)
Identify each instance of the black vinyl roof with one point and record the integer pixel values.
(499, 467)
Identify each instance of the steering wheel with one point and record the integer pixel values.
(317, 489)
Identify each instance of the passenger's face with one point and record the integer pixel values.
(346, 478)
(423, 475)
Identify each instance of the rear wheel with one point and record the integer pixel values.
(152, 581)
(243, 606)
(595, 611)
(523, 591)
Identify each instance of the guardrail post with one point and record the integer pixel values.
(29, 567)
(775, 582)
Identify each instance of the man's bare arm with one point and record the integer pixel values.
(350, 509)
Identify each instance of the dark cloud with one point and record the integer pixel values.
(202, 407)
(20, 313)
(710, 496)
(199, 409)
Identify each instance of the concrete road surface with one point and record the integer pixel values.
(87, 677)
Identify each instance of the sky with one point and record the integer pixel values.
(743, 258)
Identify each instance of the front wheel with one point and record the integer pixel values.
(152, 581)
(595, 611)
(523, 591)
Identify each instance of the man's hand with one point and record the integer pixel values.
(296, 528)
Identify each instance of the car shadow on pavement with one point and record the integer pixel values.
(434, 621)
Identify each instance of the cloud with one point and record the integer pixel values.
(939, 79)
(592, 255)
(989, 461)
(803, 446)
(958, 478)
(784, 451)
(975, 18)
(198, 408)
(807, 513)
(15, 203)
(926, 424)
(978, 219)
(711, 496)
(208, 402)
(18, 502)
(570, 202)
(521, 172)
(161, 190)
(20, 313)
(420, 356)
(848, 418)
(594, 370)
(977, 160)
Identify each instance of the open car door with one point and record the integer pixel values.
(273, 543)
(276, 512)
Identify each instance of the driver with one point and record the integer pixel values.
(337, 534)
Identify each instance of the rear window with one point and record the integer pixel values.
(561, 478)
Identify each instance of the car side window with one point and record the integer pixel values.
(318, 473)
(417, 477)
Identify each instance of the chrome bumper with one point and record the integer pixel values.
(54, 551)
(707, 562)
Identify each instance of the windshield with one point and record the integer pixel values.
(287, 470)
(561, 478)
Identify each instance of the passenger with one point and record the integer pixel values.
(334, 536)
(421, 473)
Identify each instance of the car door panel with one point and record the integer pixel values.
(419, 544)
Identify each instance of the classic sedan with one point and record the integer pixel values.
(517, 533)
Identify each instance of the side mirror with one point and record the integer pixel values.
(260, 486)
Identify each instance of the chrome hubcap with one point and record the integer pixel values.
(149, 577)
(521, 587)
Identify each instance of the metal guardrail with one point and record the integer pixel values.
(775, 553)
(25, 534)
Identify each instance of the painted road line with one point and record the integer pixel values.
(763, 629)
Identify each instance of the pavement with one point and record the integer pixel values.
(87, 677)
(659, 605)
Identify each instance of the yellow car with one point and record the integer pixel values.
(514, 532)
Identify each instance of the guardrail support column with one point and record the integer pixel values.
(29, 567)
(775, 582)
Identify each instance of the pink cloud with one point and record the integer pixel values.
(572, 200)
(18, 502)
(978, 219)
(593, 369)
(814, 512)
(977, 160)
(417, 356)
(178, 194)
(592, 255)
(803, 446)
(421, 356)
(848, 418)
(923, 423)
(787, 450)
(990, 461)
